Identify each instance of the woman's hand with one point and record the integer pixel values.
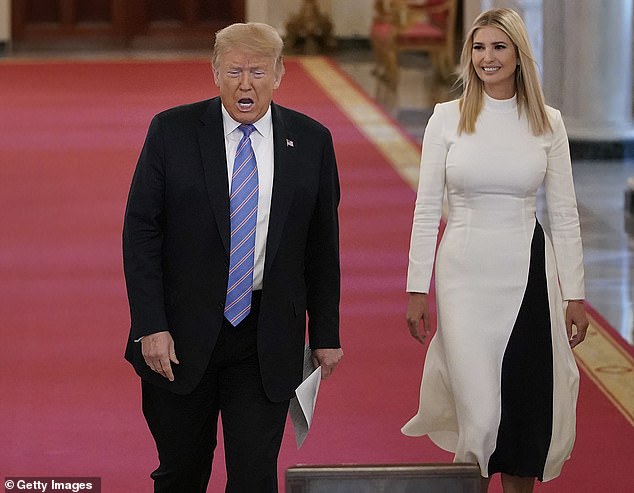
(576, 315)
(417, 312)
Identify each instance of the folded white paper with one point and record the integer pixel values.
(302, 406)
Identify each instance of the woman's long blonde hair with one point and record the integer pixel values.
(530, 97)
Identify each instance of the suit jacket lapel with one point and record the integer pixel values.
(283, 183)
(214, 158)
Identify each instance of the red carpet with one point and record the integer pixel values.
(70, 134)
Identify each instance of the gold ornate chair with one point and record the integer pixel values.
(415, 26)
(310, 29)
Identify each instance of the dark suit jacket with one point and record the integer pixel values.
(176, 240)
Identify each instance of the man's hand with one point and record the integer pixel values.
(158, 352)
(576, 315)
(417, 311)
(328, 359)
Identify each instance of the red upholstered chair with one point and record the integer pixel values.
(413, 25)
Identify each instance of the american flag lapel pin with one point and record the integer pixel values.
(290, 143)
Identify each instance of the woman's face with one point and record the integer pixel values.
(494, 58)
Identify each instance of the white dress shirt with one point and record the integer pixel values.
(262, 143)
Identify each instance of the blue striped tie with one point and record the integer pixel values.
(243, 204)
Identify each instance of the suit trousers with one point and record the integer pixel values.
(184, 427)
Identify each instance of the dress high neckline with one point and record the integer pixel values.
(500, 105)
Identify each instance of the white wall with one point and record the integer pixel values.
(471, 9)
(352, 18)
(5, 20)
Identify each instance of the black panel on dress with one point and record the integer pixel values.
(527, 379)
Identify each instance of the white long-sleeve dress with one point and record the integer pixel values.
(500, 382)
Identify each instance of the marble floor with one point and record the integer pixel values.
(607, 230)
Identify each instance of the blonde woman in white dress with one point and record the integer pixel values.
(500, 382)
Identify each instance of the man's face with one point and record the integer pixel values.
(246, 81)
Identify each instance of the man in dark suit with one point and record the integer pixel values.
(230, 240)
